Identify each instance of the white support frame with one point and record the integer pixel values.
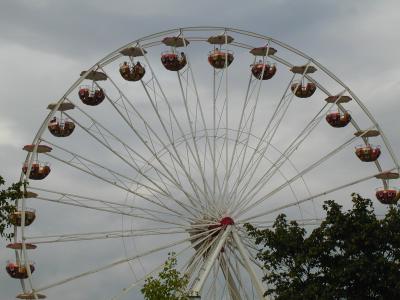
(206, 268)
(242, 250)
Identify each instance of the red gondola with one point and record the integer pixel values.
(172, 61)
(19, 270)
(132, 72)
(387, 196)
(268, 69)
(368, 153)
(91, 96)
(338, 119)
(218, 58)
(15, 217)
(303, 90)
(39, 170)
(61, 127)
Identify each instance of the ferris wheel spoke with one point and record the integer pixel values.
(132, 109)
(121, 261)
(196, 189)
(285, 156)
(175, 169)
(181, 204)
(326, 192)
(176, 157)
(157, 84)
(80, 160)
(219, 242)
(226, 267)
(284, 102)
(147, 214)
(118, 207)
(180, 141)
(251, 247)
(365, 110)
(71, 199)
(303, 172)
(198, 241)
(247, 264)
(231, 207)
(226, 114)
(137, 282)
(121, 108)
(144, 216)
(256, 88)
(212, 291)
(340, 106)
(112, 207)
(127, 102)
(206, 186)
(107, 145)
(209, 292)
(99, 236)
(251, 116)
(268, 133)
(239, 131)
(198, 103)
(218, 80)
(252, 256)
(301, 221)
(239, 277)
(194, 262)
(281, 112)
(214, 278)
(124, 187)
(148, 127)
(293, 146)
(221, 154)
(239, 269)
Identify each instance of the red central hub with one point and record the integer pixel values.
(226, 221)
(222, 223)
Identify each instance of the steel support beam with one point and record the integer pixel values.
(247, 263)
(206, 268)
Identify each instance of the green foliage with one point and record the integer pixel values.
(7, 206)
(170, 284)
(351, 255)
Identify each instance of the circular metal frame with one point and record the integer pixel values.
(231, 236)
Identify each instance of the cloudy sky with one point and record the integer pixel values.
(44, 45)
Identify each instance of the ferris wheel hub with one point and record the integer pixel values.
(226, 221)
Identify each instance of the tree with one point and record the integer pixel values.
(170, 284)
(351, 255)
(7, 206)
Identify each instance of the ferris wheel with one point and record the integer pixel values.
(172, 143)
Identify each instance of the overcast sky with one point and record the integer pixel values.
(45, 44)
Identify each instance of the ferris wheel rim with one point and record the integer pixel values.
(115, 54)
